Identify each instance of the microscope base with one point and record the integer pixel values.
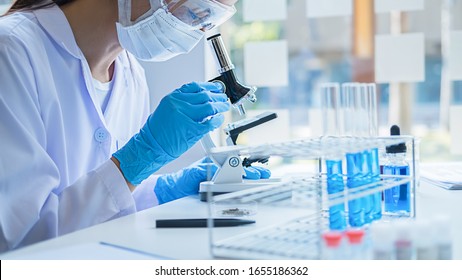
(217, 189)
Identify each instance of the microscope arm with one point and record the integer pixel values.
(228, 160)
(230, 168)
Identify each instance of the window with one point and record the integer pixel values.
(412, 49)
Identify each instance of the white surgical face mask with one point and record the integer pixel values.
(155, 36)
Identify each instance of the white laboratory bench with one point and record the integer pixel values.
(138, 231)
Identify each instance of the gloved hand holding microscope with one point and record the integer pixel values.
(166, 136)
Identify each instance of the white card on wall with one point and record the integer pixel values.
(266, 63)
(328, 8)
(455, 127)
(385, 6)
(399, 58)
(264, 10)
(455, 56)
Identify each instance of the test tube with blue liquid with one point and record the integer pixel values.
(330, 104)
(362, 108)
(354, 159)
(373, 161)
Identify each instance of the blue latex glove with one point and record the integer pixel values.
(182, 118)
(186, 181)
(256, 172)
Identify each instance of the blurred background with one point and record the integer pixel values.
(412, 49)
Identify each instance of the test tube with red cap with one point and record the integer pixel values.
(356, 249)
(332, 249)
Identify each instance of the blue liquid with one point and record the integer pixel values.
(397, 199)
(367, 201)
(335, 185)
(354, 180)
(375, 177)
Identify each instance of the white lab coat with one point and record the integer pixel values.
(55, 142)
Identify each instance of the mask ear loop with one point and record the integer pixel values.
(174, 7)
(125, 12)
(126, 7)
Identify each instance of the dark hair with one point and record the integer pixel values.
(34, 4)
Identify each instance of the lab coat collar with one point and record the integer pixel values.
(55, 23)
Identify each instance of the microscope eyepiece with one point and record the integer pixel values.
(235, 91)
(221, 55)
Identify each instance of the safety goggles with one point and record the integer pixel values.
(199, 14)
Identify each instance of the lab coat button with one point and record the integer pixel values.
(101, 135)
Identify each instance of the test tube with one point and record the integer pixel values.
(354, 159)
(382, 241)
(348, 98)
(330, 104)
(362, 108)
(332, 249)
(366, 126)
(425, 245)
(371, 90)
(404, 246)
(356, 246)
(443, 235)
(371, 94)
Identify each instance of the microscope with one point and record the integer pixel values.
(236, 92)
(228, 177)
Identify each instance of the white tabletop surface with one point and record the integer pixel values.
(138, 231)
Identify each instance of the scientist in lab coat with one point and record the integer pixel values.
(78, 142)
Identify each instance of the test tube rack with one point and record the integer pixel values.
(298, 235)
